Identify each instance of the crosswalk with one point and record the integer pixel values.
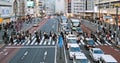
(43, 42)
(97, 43)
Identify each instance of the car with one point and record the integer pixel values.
(89, 43)
(96, 53)
(79, 30)
(70, 41)
(108, 59)
(74, 50)
(75, 23)
(80, 58)
(35, 24)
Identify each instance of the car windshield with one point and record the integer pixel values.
(64, 19)
(75, 49)
(82, 61)
(79, 29)
(76, 24)
(72, 40)
(98, 51)
(91, 42)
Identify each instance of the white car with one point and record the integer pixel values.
(96, 53)
(71, 40)
(108, 59)
(74, 50)
(80, 58)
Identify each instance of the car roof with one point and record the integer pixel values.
(88, 38)
(75, 20)
(96, 49)
(74, 45)
(108, 58)
(80, 56)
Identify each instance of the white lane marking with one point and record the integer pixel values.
(33, 41)
(99, 42)
(65, 54)
(49, 41)
(53, 42)
(28, 42)
(6, 53)
(96, 43)
(107, 42)
(45, 42)
(82, 42)
(30, 47)
(45, 55)
(15, 43)
(41, 41)
(24, 42)
(26, 53)
(33, 37)
(55, 52)
(36, 43)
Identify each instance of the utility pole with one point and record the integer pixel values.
(116, 36)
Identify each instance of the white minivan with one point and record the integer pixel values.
(107, 59)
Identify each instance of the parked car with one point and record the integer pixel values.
(74, 50)
(108, 59)
(89, 43)
(96, 53)
(80, 58)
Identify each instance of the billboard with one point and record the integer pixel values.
(30, 3)
(5, 11)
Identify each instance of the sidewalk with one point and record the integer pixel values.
(24, 28)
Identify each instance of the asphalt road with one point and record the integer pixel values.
(38, 53)
(34, 55)
(108, 49)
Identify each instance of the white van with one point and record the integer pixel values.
(107, 59)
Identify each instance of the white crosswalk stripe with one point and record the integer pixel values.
(41, 41)
(53, 42)
(107, 43)
(99, 42)
(82, 42)
(33, 41)
(49, 41)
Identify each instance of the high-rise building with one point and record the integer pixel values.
(83, 8)
(60, 6)
(47, 6)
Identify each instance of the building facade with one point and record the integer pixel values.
(60, 6)
(107, 10)
(83, 8)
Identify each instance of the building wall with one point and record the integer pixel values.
(60, 6)
(77, 6)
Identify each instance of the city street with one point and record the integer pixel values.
(108, 48)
